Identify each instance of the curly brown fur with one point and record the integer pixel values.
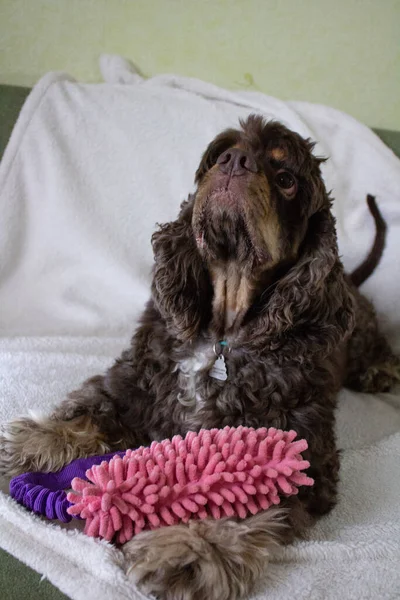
(252, 258)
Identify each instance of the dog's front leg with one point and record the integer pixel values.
(98, 418)
(214, 559)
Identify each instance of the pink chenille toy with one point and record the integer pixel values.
(214, 473)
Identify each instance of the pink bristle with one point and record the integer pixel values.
(202, 458)
(118, 472)
(102, 475)
(75, 509)
(177, 489)
(166, 515)
(252, 506)
(79, 485)
(142, 467)
(189, 505)
(202, 514)
(278, 450)
(152, 499)
(180, 473)
(189, 461)
(106, 502)
(239, 493)
(112, 485)
(284, 485)
(132, 468)
(128, 484)
(231, 462)
(178, 509)
(262, 451)
(93, 526)
(149, 464)
(164, 492)
(147, 508)
(120, 503)
(200, 499)
(150, 489)
(300, 465)
(104, 521)
(213, 478)
(89, 490)
(95, 505)
(212, 463)
(190, 437)
(129, 499)
(133, 514)
(262, 501)
(115, 518)
(139, 485)
(298, 447)
(249, 489)
(214, 510)
(284, 470)
(227, 509)
(169, 472)
(74, 498)
(301, 479)
(192, 488)
(192, 473)
(272, 473)
(239, 448)
(154, 521)
(240, 510)
(227, 495)
(127, 527)
(216, 498)
(138, 528)
(225, 451)
(255, 471)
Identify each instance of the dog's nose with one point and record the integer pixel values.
(236, 162)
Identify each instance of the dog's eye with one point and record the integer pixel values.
(286, 181)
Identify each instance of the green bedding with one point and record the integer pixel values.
(18, 582)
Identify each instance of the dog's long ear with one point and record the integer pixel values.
(313, 301)
(181, 285)
(222, 142)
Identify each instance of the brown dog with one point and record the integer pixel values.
(252, 260)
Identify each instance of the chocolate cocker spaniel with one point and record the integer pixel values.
(252, 262)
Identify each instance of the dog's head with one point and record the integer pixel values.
(255, 248)
(257, 188)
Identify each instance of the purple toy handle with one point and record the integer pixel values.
(44, 493)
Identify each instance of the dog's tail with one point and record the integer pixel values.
(369, 264)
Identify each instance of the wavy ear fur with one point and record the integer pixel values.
(312, 305)
(181, 284)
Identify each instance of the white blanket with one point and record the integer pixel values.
(88, 172)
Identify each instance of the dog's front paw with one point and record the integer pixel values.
(209, 559)
(47, 444)
(170, 563)
(13, 455)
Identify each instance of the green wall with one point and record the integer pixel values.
(345, 53)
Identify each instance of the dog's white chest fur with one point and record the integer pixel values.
(190, 372)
